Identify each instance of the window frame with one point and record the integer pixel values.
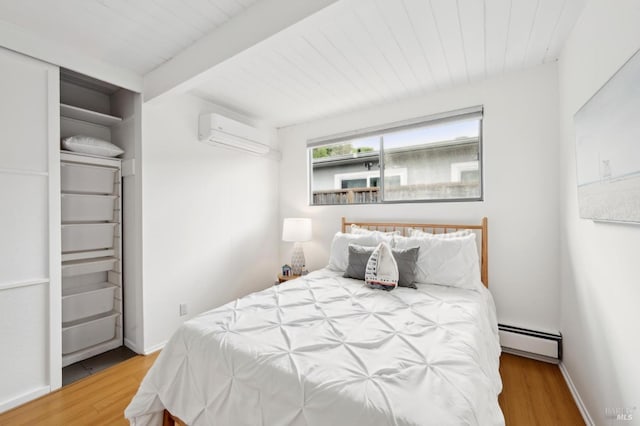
(435, 119)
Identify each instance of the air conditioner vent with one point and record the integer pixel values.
(218, 130)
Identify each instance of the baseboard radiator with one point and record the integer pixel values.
(530, 343)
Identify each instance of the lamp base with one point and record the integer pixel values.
(297, 259)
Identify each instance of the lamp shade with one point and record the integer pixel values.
(296, 229)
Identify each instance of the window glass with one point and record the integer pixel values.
(347, 172)
(438, 160)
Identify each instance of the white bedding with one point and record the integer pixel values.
(326, 350)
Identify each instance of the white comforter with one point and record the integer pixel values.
(325, 350)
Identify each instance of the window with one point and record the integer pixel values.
(437, 158)
(354, 183)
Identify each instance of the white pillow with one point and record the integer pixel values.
(420, 233)
(355, 229)
(339, 256)
(445, 261)
(91, 145)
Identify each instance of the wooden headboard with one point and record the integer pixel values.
(481, 234)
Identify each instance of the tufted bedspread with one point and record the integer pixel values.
(326, 350)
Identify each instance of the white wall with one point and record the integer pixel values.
(210, 219)
(600, 269)
(521, 195)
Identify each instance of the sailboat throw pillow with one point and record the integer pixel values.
(382, 269)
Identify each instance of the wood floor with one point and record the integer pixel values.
(99, 399)
(534, 394)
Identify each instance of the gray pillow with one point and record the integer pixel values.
(406, 260)
(358, 257)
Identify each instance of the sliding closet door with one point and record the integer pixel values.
(29, 230)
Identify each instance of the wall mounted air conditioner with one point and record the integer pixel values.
(218, 130)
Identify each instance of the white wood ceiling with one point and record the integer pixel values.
(351, 55)
(137, 35)
(359, 53)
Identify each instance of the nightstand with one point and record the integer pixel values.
(282, 278)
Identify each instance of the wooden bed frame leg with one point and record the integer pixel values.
(167, 419)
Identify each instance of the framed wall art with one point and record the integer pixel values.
(608, 148)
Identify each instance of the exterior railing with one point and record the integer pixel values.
(415, 192)
(346, 196)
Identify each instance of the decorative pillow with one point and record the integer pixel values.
(420, 233)
(382, 270)
(339, 256)
(405, 259)
(90, 145)
(445, 261)
(358, 258)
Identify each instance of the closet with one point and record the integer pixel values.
(93, 284)
(48, 319)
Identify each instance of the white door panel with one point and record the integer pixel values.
(24, 228)
(23, 113)
(29, 228)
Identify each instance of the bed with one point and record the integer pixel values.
(327, 350)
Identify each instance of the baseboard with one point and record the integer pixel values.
(154, 348)
(530, 355)
(19, 400)
(128, 343)
(576, 396)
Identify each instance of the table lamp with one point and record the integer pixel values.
(297, 230)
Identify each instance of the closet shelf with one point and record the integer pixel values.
(73, 268)
(84, 333)
(89, 116)
(87, 300)
(92, 254)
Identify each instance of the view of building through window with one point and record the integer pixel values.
(432, 161)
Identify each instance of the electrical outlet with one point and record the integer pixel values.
(183, 309)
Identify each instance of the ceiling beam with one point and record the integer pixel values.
(260, 21)
(19, 40)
